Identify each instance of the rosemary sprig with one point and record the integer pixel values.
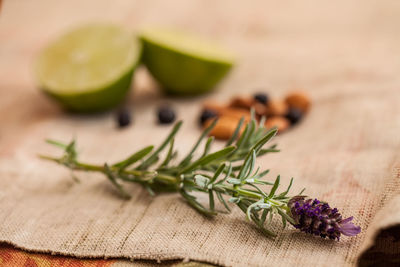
(229, 172)
(226, 172)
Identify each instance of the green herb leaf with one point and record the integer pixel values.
(264, 140)
(133, 158)
(274, 187)
(283, 194)
(234, 200)
(112, 179)
(286, 216)
(211, 200)
(207, 159)
(153, 157)
(170, 154)
(208, 146)
(264, 215)
(56, 143)
(248, 162)
(206, 131)
(218, 172)
(196, 205)
(222, 200)
(235, 134)
(201, 180)
(234, 181)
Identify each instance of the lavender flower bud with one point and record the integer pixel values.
(318, 218)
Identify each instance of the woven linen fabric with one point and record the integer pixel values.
(346, 151)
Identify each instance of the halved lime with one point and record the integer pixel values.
(89, 68)
(184, 64)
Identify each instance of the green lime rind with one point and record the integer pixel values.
(97, 100)
(90, 68)
(181, 70)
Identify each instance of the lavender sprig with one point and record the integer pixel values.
(318, 218)
(229, 172)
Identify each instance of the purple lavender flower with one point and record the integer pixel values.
(318, 218)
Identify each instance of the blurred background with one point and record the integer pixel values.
(279, 45)
(322, 47)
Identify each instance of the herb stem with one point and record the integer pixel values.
(242, 192)
(164, 178)
(80, 166)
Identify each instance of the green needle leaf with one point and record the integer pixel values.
(151, 192)
(133, 158)
(262, 152)
(208, 146)
(252, 206)
(264, 215)
(242, 137)
(170, 154)
(252, 164)
(261, 175)
(258, 189)
(286, 216)
(228, 173)
(252, 128)
(267, 232)
(186, 160)
(211, 200)
(208, 158)
(218, 172)
(112, 179)
(274, 187)
(235, 200)
(264, 140)
(56, 143)
(152, 158)
(196, 205)
(222, 200)
(235, 133)
(248, 162)
(234, 181)
(201, 180)
(283, 194)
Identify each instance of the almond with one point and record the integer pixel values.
(236, 113)
(242, 103)
(222, 110)
(279, 122)
(299, 100)
(277, 108)
(224, 128)
(211, 105)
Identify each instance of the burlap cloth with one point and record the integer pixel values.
(345, 54)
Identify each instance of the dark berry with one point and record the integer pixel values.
(123, 118)
(261, 98)
(294, 115)
(207, 114)
(166, 115)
